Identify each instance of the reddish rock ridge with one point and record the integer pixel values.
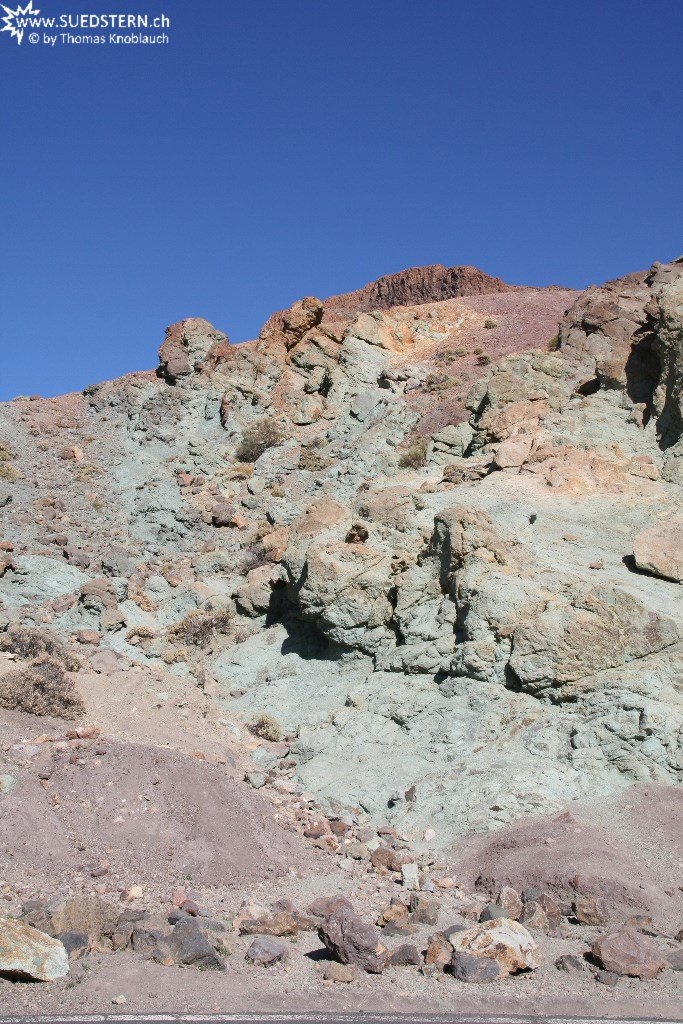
(412, 287)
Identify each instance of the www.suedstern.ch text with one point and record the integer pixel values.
(95, 21)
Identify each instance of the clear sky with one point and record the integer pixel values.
(276, 148)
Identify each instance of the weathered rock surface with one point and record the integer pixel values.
(351, 940)
(409, 586)
(628, 952)
(507, 943)
(659, 550)
(26, 952)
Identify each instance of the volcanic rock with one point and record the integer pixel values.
(351, 940)
(506, 942)
(628, 952)
(26, 952)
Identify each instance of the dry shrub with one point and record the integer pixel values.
(87, 471)
(8, 472)
(415, 456)
(440, 382)
(490, 324)
(258, 438)
(266, 728)
(554, 343)
(28, 642)
(313, 461)
(198, 628)
(41, 688)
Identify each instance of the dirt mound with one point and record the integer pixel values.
(624, 851)
(135, 814)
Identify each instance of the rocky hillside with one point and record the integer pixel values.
(410, 561)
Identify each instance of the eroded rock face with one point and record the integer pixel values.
(190, 346)
(26, 952)
(629, 334)
(422, 612)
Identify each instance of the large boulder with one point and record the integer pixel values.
(659, 550)
(26, 952)
(628, 952)
(506, 942)
(601, 627)
(351, 940)
(82, 913)
(190, 345)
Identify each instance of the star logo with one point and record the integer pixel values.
(13, 20)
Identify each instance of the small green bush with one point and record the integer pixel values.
(554, 344)
(490, 324)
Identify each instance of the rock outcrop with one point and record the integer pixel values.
(489, 607)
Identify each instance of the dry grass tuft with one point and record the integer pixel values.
(415, 456)
(313, 461)
(198, 628)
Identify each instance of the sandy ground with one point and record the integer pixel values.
(219, 839)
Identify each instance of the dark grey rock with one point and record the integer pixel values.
(405, 956)
(265, 951)
(351, 940)
(492, 912)
(570, 963)
(190, 947)
(609, 978)
(75, 943)
(474, 969)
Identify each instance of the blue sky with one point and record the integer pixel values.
(277, 148)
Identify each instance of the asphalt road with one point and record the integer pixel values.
(323, 1018)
